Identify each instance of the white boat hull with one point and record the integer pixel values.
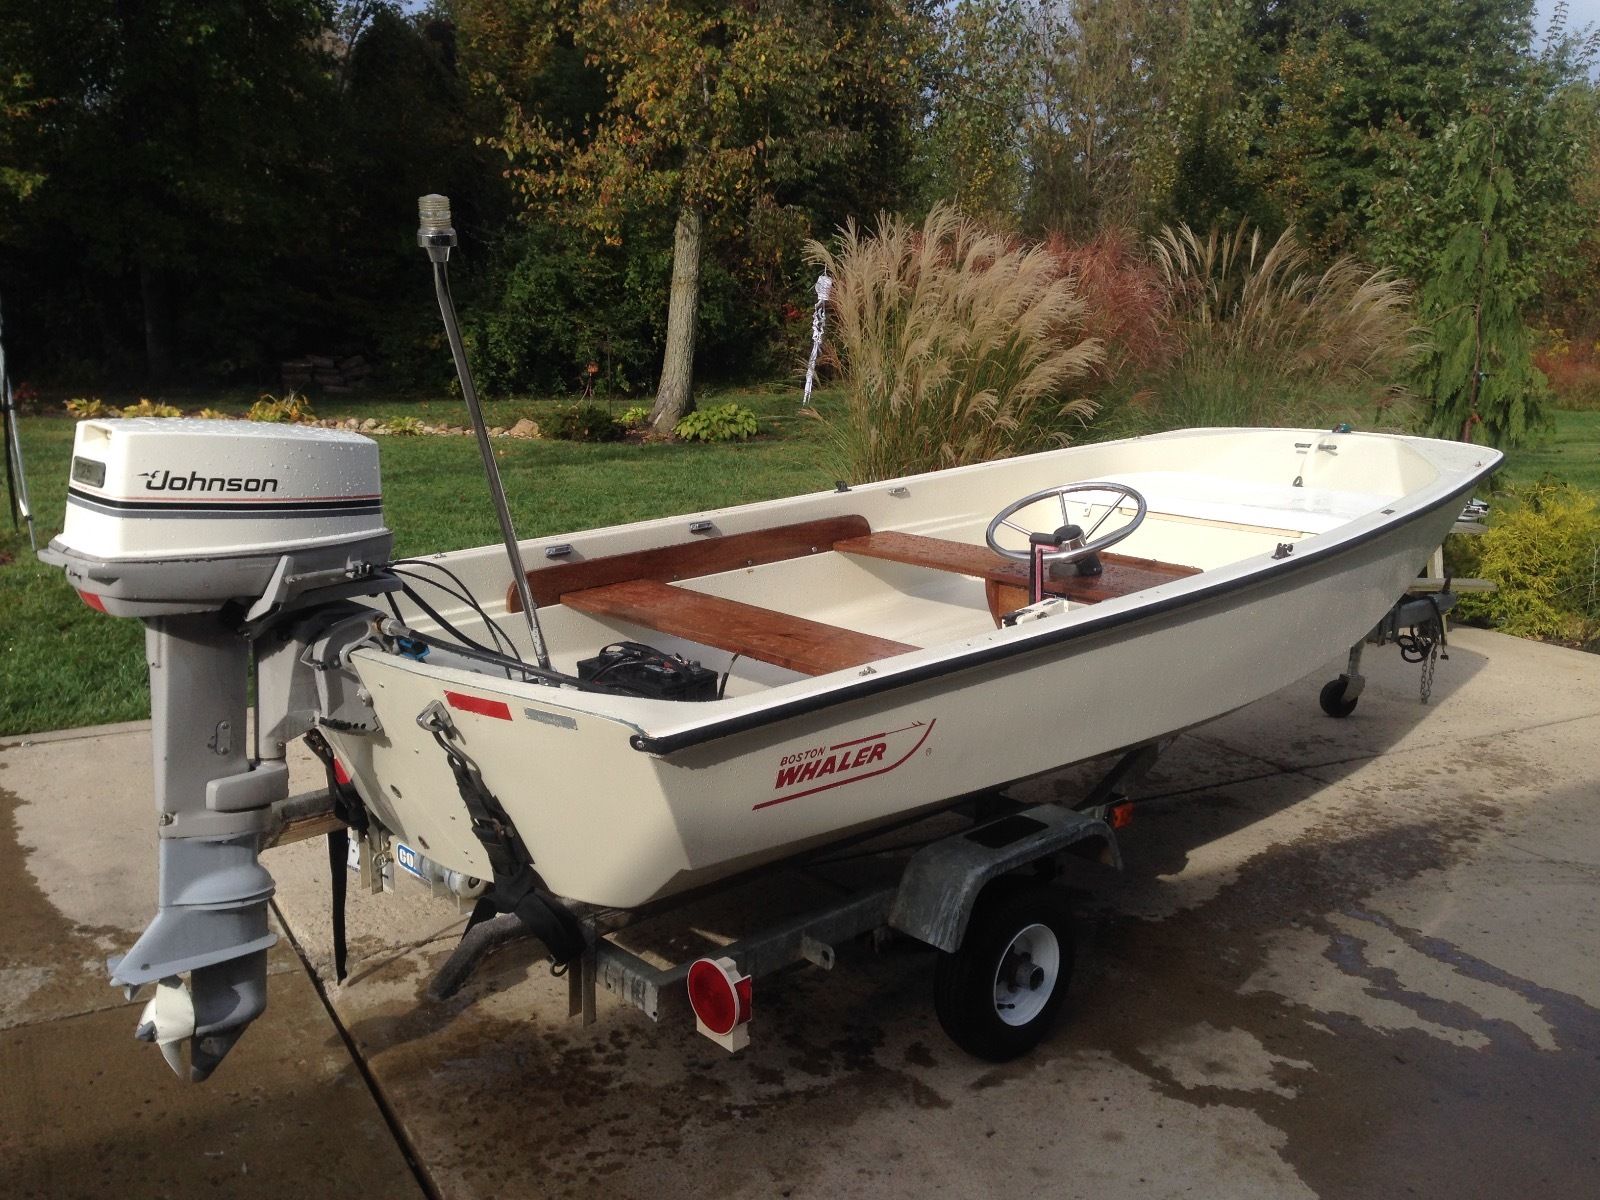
(622, 801)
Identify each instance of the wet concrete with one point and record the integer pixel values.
(1345, 959)
(86, 1111)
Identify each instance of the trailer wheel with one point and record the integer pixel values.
(998, 994)
(1333, 700)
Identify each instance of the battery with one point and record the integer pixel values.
(643, 670)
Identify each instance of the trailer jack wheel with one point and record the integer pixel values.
(1333, 699)
(999, 993)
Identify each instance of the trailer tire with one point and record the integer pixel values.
(1332, 698)
(998, 994)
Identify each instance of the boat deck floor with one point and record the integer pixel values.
(640, 590)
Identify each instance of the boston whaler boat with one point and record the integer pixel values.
(656, 707)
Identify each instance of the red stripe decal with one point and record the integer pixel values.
(873, 737)
(477, 704)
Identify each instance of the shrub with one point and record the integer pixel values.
(635, 417)
(26, 400)
(1543, 550)
(949, 343)
(1258, 337)
(1572, 367)
(584, 423)
(720, 423)
(559, 298)
(1200, 395)
(91, 409)
(1125, 302)
(402, 427)
(292, 408)
(211, 414)
(151, 408)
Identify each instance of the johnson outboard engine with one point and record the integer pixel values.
(217, 534)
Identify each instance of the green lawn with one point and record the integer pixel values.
(1569, 451)
(62, 664)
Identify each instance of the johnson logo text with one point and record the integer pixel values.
(166, 481)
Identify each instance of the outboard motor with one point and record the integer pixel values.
(214, 533)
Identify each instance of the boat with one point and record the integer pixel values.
(873, 657)
(659, 707)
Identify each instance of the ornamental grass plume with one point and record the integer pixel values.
(954, 345)
(1234, 300)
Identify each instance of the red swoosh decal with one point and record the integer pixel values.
(854, 778)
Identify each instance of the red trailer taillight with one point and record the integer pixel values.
(722, 1000)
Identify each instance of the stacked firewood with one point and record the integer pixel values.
(317, 371)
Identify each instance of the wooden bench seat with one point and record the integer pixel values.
(705, 555)
(1006, 578)
(810, 647)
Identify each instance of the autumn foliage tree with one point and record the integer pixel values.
(708, 110)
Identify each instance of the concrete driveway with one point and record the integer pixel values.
(1347, 959)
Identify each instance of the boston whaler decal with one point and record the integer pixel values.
(811, 769)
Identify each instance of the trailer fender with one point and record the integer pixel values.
(942, 881)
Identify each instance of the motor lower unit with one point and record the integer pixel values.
(215, 533)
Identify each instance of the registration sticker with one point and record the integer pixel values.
(410, 861)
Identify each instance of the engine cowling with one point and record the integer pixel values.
(186, 515)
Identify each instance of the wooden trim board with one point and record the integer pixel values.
(687, 560)
(809, 647)
(1121, 576)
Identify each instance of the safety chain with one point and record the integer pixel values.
(1423, 645)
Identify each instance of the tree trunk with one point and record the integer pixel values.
(675, 395)
(157, 323)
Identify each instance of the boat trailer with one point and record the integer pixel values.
(989, 891)
(1416, 624)
(973, 893)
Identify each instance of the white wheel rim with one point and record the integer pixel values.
(1025, 977)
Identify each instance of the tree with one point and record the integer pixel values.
(1102, 71)
(975, 152)
(1042, 111)
(708, 110)
(1201, 155)
(1478, 213)
(1344, 74)
(21, 116)
(177, 133)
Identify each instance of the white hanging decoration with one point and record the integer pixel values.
(819, 324)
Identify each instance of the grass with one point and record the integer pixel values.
(1568, 451)
(63, 664)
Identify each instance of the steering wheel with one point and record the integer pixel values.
(1090, 544)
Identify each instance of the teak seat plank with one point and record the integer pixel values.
(809, 647)
(1121, 575)
(686, 560)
